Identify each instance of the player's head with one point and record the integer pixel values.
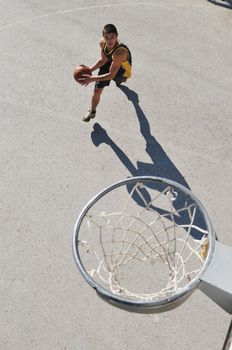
(109, 29)
(110, 34)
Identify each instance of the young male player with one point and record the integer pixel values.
(115, 64)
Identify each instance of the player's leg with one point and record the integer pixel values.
(118, 82)
(120, 78)
(96, 98)
(99, 86)
(91, 113)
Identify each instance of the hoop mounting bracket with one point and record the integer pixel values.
(217, 279)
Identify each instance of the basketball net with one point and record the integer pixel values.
(170, 243)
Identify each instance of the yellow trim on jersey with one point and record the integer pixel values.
(128, 71)
(119, 48)
(105, 47)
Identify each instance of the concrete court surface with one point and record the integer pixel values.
(52, 163)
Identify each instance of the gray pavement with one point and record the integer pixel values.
(50, 166)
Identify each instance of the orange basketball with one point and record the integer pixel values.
(79, 71)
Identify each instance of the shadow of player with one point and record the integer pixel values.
(160, 166)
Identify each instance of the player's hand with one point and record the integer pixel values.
(85, 80)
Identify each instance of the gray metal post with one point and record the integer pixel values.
(217, 279)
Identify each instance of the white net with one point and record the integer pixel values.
(143, 242)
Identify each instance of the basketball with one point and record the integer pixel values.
(79, 71)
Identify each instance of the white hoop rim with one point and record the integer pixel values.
(165, 303)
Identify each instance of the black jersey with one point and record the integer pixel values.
(126, 65)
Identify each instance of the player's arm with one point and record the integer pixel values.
(102, 60)
(119, 57)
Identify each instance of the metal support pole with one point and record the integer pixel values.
(217, 279)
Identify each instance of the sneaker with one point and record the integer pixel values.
(89, 115)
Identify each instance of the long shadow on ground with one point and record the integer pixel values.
(223, 3)
(161, 165)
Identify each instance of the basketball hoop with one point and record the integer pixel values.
(144, 244)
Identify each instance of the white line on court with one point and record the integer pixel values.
(161, 5)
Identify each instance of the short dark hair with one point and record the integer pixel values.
(109, 28)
